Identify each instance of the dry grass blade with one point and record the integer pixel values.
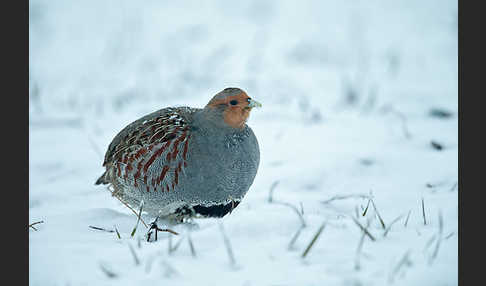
(117, 233)
(453, 187)
(170, 271)
(365, 230)
(408, 216)
(436, 250)
(403, 119)
(439, 238)
(378, 214)
(390, 225)
(100, 228)
(366, 209)
(270, 193)
(357, 265)
(430, 241)
(436, 145)
(441, 223)
(113, 193)
(148, 264)
(294, 238)
(135, 257)
(343, 197)
(228, 245)
(34, 223)
(294, 208)
(314, 239)
(108, 272)
(449, 235)
(176, 246)
(423, 212)
(191, 246)
(138, 219)
(168, 230)
(405, 261)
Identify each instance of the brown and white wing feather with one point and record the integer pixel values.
(150, 152)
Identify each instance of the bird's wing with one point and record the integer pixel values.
(162, 135)
(157, 127)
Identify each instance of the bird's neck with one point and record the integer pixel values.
(211, 118)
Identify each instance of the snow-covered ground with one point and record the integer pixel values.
(347, 89)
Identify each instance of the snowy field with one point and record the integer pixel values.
(353, 93)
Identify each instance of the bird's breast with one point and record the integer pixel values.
(222, 165)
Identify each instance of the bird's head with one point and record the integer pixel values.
(234, 105)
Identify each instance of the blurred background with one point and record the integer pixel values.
(93, 57)
(360, 100)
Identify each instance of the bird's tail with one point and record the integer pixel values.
(102, 180)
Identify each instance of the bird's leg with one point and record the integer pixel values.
(154, 226)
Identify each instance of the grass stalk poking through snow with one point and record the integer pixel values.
(423, 212)
(228, 245)
(117, 233)
(365, 230)
(135, 257)
(408, 216)
(378, 214)
(270, 193)
(176, 246)
(294, 238)
(430, 241)
(100, 228)
(390, 225)
(439, 239)
(314, 239)
(405, 261)
(453, 187)
(367, 206)
(114, 193)
(294, 208)
(191, 246)
(108, 272)
(138, 219)
(403, 120)
(34, 223)
(357, 264)
(343, 197)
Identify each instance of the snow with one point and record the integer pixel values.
(346, 89)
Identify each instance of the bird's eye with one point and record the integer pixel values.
(234, 102)
(248, 99)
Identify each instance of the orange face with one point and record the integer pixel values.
(236, 110)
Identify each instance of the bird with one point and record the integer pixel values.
(185, 162)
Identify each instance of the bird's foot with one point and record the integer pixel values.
(154, 228)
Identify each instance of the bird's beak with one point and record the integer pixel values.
(253, 103)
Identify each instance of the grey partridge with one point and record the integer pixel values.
(186, 162)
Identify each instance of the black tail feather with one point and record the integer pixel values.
(102, 180)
